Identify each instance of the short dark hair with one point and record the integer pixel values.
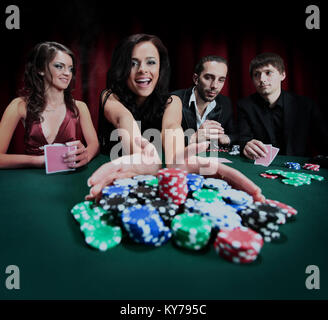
(265, 59)
(200, 65)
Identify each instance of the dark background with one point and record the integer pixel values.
(237, 31)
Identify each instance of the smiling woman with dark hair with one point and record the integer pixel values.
(137, 89)
(140, 87)
(48, 111)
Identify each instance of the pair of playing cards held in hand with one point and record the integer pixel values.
(53, 155)
(266, 161)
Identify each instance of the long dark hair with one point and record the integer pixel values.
(119, 71)
(34, 88)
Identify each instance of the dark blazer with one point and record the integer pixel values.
(222, 113)
(303, 125)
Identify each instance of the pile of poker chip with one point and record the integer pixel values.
(145, 225)
(191, 231)
(97, 234)
(235, 150)
(264, 218)
(306, 166)
(292, 178)
(240, 245)
(189, 210)
(293, 165)
(311, 166)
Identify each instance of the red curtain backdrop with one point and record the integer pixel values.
(236, 32)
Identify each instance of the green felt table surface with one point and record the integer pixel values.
(39, 235)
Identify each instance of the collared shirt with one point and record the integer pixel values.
(209, 108)
(277, 122)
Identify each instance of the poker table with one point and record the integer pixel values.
(40, 236)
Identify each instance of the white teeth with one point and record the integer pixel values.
(143, 80)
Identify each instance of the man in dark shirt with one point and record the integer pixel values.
(273, 116)
(207, 113)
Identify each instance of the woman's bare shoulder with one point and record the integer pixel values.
(18, 105)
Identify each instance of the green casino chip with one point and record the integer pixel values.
(191, 231)
(292, 182)
(207, 195)
(102, 237)
(275, 171)
(87, 211)
(152, 183)
(316, 177)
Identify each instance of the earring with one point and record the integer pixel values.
(41, 74)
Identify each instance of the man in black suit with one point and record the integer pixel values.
(207, 114)
(289, 122)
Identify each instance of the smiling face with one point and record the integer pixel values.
(144, 74)
(267, 80)
(211, 80)
(60, 71)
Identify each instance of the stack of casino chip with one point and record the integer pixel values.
(148, 206)
(114, 207)
(87, 211)
(96, 232)
(127, 182)
(144, 178)
(221, 215)
(265, 219)
(288, 210)
(216, 184)
(238, 199)
(101, 236)
(149, 180)
(239, 245)
(206, 195)
(268, 176)
(172, 185)
(167, 210)
(112, 191)
(191, 231)
(295, 178)
(293, 165)
(311, 166)
(144, 225)
(235, 150)
(143, 192)
(194, 181)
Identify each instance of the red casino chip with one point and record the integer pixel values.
(268, 176)
(241, 239)
(311, 166)
(172, 185)
(239, 245)
(236, 259)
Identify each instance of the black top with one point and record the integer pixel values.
(222, 113)
(106, 131)
(294, 125)
(276, 123)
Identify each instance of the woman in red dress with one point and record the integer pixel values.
(48, 112)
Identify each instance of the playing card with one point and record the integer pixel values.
(265, 161)
(53, 154)
(274, 152)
